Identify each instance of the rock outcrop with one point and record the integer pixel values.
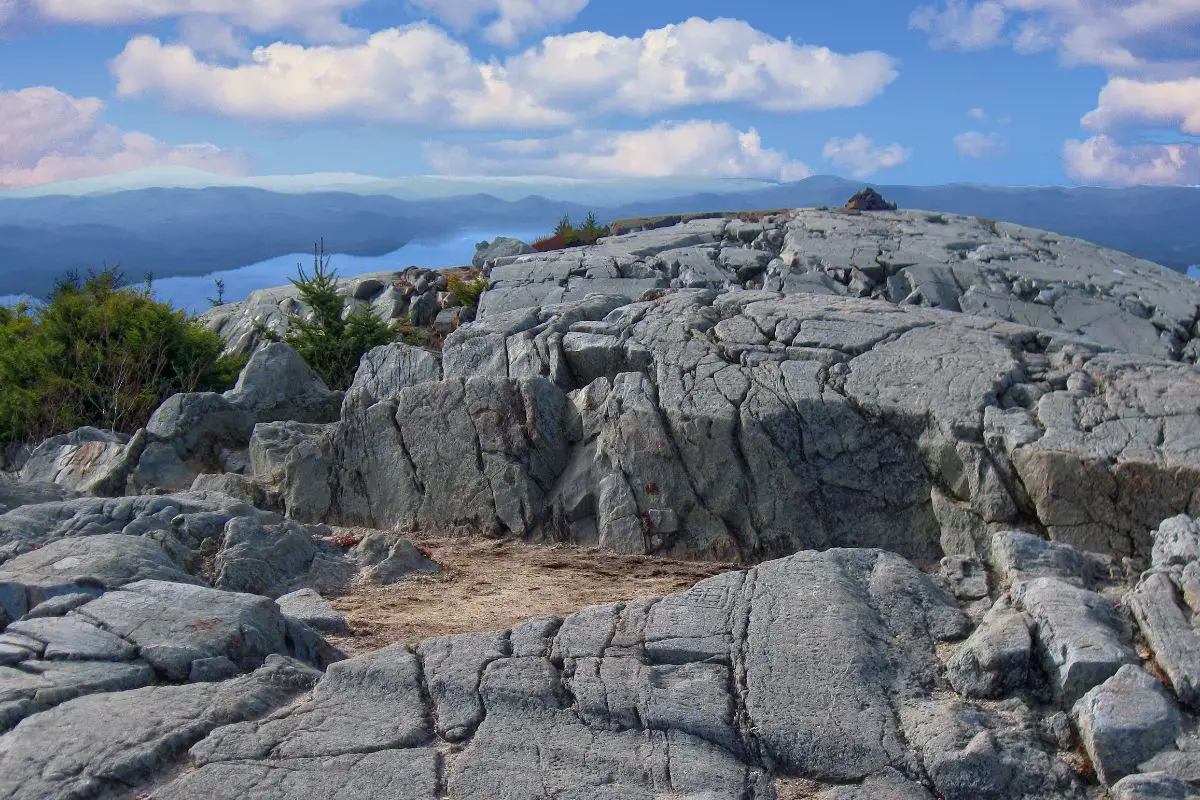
(978, 266)
(415, 294)
(831, 670)
(748, 425)
(960, 461)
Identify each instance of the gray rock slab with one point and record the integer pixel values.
(889, 784)
(86, 460)
(1176, 542)
(191, 515)
(1017, 556)
(995, 659)
(373, 702)
(833, 719)
(39, 685)
(1151, 786)
(309, 607)
(73, 639)
(15, 493)
(1079, 636)
(263, 560)
(111, 742)
(1156, 605)
(397, 774)
(1125, 721)
(92, 562)
(975, 753)
(174, 624)
(385, 370)
(277, 384)
(453, 667)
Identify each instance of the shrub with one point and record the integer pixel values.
(98, 354)
(331, 341)
(566, 235)
(466, 292)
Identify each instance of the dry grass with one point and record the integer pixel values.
(489, 584)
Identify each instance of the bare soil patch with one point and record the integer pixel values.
(489, 584)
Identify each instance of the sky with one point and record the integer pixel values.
(1012, 92)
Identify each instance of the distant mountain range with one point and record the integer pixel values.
(194, 231)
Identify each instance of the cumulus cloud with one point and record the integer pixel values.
(960, 25)
(699, 61)
(510, 19)
(697, 148)
(1124, 102)
(974, 144)
(1102, 160)
(861, 157)
(51, 136)
(1151, 49)
(419, 74)
(318, 20)
(977, 113)
(415, 74)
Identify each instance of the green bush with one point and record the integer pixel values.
(466, 292)
(102, 355)
(567, 235)
(331, 341)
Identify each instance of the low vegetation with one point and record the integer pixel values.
(567, 235)
(96, 353)
(466, 290)
(331, 340)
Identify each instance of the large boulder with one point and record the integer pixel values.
(277, 384)
(206, 432)
(486, 253)
(84, 460)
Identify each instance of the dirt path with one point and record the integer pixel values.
(491, 584)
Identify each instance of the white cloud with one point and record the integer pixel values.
(1126, 35)
(1151, 49)
(318, 20)
(1124, 102)
(1102, 160)
(511, 19)
(974, 144)
(695, 62)
(861, 157)
(977, 113)
(418, 74)
(52, 136)
(961, 25)
(415, 74)
(695, 148)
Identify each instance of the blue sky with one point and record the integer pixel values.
(1100, 92)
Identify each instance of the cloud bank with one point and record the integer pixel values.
(697, 147)
(51, 136)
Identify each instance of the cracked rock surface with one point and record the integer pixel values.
(958, 460)
(830, 670)
(747, 425)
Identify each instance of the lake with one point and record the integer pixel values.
(192, 292)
